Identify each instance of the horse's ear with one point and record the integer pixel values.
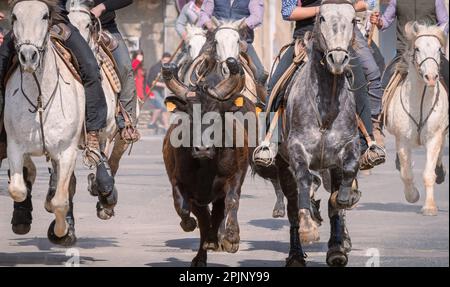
(239, 24)
(307, 38)
(411, 30)
(216, 22)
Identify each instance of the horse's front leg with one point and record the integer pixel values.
(433, 147)
(304, 178)
(59, 231)
(17, 188)
(279, 210)
(119, 148)
(348, 194)
(412, 195)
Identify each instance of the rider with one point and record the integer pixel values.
(432, 12)
(304, 13)
(96, 109)
(105, 11)
(251, 10)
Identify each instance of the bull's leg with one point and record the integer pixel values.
(279, 209)
(296, 256)
(188, 223)
(22, 214)
(17, 188)
(217, 216)
(348, 194)
(59, 231)
(204, 222)
(412, 195)
(304, 178)
(230, 238)
(433, 147)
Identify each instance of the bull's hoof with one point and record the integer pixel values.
(21, 229)
(67, 240)
(440, 174)
(189, 224)
(412, 196)
(213, 246)
(309, 230)
(337, 257)
(345, 198)
(296, 260)
(278, 212)
(430, 210)
(196, 262)
(229, 247)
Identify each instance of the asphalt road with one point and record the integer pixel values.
(146, 232)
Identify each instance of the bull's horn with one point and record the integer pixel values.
(233, 84)
(169, 72)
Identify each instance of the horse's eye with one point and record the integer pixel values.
(417, 50)
(321, 19)
(13, 18)
(45, 17)
(88, 26)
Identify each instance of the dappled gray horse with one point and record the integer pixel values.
(321, 135)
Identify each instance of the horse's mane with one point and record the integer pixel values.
(53, 7)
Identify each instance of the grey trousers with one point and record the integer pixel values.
(128, 95)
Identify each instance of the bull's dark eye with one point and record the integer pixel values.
(321, 19)
(45, 17)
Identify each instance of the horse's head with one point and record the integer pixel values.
(334, 27)
(81, 17)
(195, 40)
(210, 100)
(31, 22)
(227, 40)
(426, 44)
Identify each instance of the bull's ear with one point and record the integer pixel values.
(174, 103)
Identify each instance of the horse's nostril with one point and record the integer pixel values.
(22, 57)
(330, 58)
(427, 77)
(346, 59)
(34, 56)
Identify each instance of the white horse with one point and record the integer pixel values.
(195, 40)
(417, 115)
(44, 113)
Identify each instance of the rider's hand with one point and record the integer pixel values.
(375, 19)
(98, 10)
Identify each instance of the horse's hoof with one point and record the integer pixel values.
(213, 246)
(21, 229)
(296, 260)
(278, 213)
(429, 211)
(345, 202)
(67, 240)
(337, 257)
(92, 185)
(104, 213)
(412, 196)
(229, 247)
(309, 230)
(198, 263)
(189, 224)
(440, 174)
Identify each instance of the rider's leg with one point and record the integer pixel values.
(260, 72)
(282, 66)
(96, 109)
(373, 77)
(6, 52)
(128, 96)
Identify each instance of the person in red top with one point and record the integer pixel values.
(139, 76)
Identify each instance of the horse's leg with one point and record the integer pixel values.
(17, 188)
(412, 195)
(440, 170)
(348, 194)
(204, 222)
(304, 178)
(119, 148)
(188, 223)
(59, 231)
(279, 208)
(296, 256)
(217, 216)
(230, 238)
(433, 147)
(22, 214)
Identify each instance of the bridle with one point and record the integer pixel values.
(414, 55)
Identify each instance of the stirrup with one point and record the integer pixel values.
(373, 156)
(91, 158)
(265, 161)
